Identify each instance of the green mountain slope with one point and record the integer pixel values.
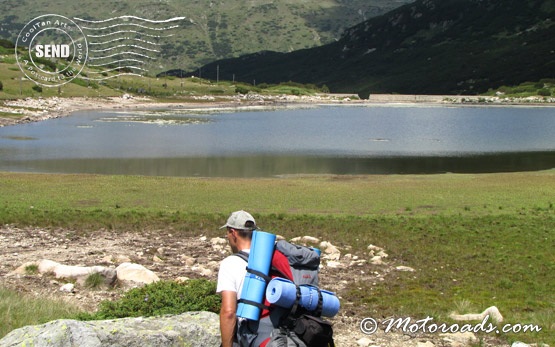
(213, 29)
(429, 46)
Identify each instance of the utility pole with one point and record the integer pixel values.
(217, 74)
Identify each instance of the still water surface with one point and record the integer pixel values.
(326, 139)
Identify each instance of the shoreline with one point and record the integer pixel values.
(30, 110)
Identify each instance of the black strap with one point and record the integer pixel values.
(253, 303)
(318, 311)
(259, 274)
(296, 305)
(245, 256)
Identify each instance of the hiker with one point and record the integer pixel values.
(240, 226)
(276, 326)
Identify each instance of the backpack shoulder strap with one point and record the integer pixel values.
(243, 255)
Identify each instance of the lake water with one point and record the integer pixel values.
(317, 140)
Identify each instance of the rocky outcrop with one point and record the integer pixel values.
(188, 329)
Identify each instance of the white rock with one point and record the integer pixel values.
(188, 260)
(46, 266)
(374, 248)
(108, 259)
(405, 268)
(520, 344)
(376, 260)
(364, 342)
(122, 259)
(310, 239)
(67, 288)
(333, 264)
(202, 271)
(425, 344)
(70, 271)
(330, 251)
(382, 254)
(492, 312)
(218, 241)
(135, 273)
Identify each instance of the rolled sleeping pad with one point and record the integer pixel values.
(283, 293)
(253, 286)
(309, 297)
(330, 303)
(260, 259)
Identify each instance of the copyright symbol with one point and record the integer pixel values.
(368, 326)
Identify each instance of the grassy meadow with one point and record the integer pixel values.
(475, 240)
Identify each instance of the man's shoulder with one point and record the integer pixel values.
(233, 260)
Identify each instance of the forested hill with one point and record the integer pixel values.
(213, 29)
(429, 46)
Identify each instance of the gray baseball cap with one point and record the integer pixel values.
(238, 220)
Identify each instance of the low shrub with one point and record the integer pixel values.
(94, 280)
(32, 269)
(160, 298)
(241, 90)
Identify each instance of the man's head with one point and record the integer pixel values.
(240, 226)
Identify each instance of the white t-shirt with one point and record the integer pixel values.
(231, 274)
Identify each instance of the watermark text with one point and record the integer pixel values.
(408, 325)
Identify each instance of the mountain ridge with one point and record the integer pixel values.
(213, 29)
(425, 47)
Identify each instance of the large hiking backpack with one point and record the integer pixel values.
(279, 327)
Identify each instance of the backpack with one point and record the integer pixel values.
(296, 327)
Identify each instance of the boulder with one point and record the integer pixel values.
(135, 274)
(188, 329)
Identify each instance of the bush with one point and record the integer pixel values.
(94, 280)
(241, 90)
(1, 86)
(544, 92)
(160, 298)
(37, 88)
(7, 44)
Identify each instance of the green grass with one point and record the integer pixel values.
(477, 239)
(17, 310)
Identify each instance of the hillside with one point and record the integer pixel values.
(427, 47)
(213, 29)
